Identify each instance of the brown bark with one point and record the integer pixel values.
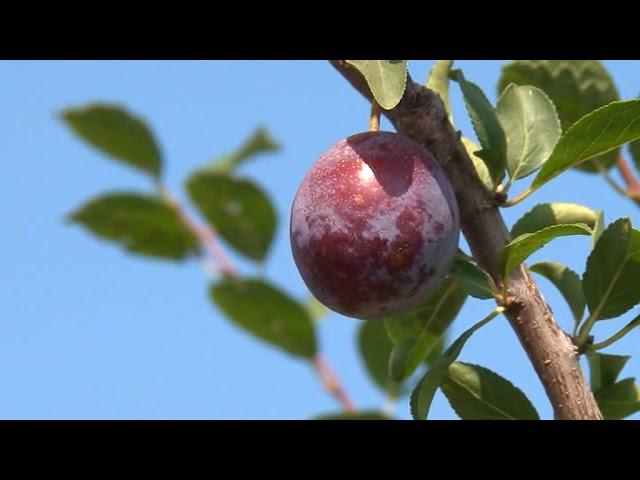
(421, 116)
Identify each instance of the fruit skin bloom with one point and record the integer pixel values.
(374, 226)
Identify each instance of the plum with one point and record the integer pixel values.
(374, 226)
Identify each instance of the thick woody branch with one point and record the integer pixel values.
(421, 116)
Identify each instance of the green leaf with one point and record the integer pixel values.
(531, 126)
(422, 395)
(594, 134)
(604, 369)
(239, 210)
(438, 81)
(359, 415)
(141, 224)
(375, 349)
(387, 79)
(117, 133)
(267, 313)
(634, 150)
(472, 279)
(576, 87)
(619, 400)
(486, 125)
(477, 393)
(416, 334)
(612, 277)
(259, 142)
(316, 309)
(567, 282)
(548, 214)
(481, 168)
(523, 246)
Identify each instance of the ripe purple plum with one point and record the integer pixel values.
(374, 226)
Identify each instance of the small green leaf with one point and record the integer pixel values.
(416, 334)
(316, 309)
(547, 214)
(140, 223)
(576, 87)
(604, 369)
(619, 400)
(477, 393)
(359, 415)
(472, 279)
(478, 164)
(266, 313)
(523, 246)
(259, 142)
(438, 81)
(375, 349)
(387, 79)
(422, 395)
(531, 126)
(117, 133)
(239, 210)
(567, 282)
(486, 125)
(612, 277)
(594, 134)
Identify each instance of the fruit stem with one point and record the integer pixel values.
(331, 383)
(374, 117)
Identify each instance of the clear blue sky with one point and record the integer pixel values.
(87, 331)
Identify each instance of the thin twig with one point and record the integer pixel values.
(331, 383)
(633, 186)
(203, 233)
(206, 236)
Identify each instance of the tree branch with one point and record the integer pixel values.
(421, 116)
(632, 184)
(331, 383)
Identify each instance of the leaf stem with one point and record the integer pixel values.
(331, 383)
(517, 199)
(374, 117)
(616, 336)
(632, 184)
(607, 178)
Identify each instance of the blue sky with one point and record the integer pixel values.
(88, 331)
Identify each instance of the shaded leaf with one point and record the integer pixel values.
(531, 127)
(547, 214)
(604, 369)
(387, 79)
(594, 134)
(472, 279)
(420, 331)
(266, 313)
(116, 132)
(239, 210)
(359, 415)
(567, 282)
(141, 224)
(478, 164)
(523, 246)
(612, 277)
(438, 81)
(486, 125)
(619, 400)
(422, 395)
(576, 87)
(477, 393)
(375, 349)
